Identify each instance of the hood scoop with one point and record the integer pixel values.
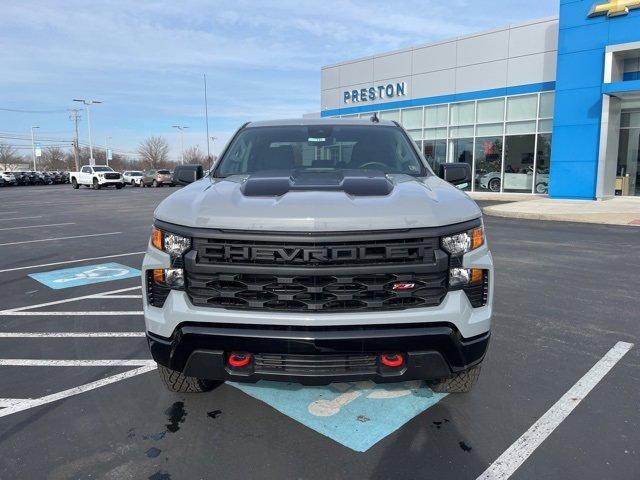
(352, 182)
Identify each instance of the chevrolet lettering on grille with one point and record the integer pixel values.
(321, 254)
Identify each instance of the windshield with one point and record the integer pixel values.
(164, 172)
(102, 169)
(135, 174)
(320, 148)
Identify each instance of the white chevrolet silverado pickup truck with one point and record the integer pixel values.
(96, 177)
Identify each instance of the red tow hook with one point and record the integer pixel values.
(392, 360)
(239, 360)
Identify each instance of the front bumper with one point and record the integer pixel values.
(318, 356)
(437, 341)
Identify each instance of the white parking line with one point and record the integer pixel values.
(71, 334)
(522, 448)
(19, 218)
(67, 300)
(95, 313)
(75, 391)
(27, 362)
(10, 402)
(59, 238)
(43, 265)
(38, 226)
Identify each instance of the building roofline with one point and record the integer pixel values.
(442, 42)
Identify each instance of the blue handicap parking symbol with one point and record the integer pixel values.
(74, 277)
(357, 415)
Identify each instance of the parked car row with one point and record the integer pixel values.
(8, 179)
(161, 177)
(99, 176)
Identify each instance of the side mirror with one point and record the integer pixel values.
(187, 175)
(455, 173)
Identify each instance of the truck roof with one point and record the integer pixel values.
(320, 121)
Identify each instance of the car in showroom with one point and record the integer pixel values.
(319, 251)
(522, 180)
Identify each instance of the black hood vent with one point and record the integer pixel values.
(352, 182)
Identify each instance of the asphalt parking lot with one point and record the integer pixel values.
(80, 399)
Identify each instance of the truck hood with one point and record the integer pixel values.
(412, 203)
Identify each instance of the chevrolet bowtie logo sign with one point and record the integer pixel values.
(614, 8)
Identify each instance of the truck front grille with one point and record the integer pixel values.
(315, 293)
(318, 273)
(112, 176)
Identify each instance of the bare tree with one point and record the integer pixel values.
(9, 156)
(154, 152)
(194, 156)
(53, 158)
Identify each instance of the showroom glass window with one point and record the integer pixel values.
(489, 141)
(507, 140)
(520, 143)
(435, 135)
(412, 121)
(543, 146)
(462, 120)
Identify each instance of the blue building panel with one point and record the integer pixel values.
(572, 109)
(587, 37)
(580, 69)
(579, 92)
(572, 179)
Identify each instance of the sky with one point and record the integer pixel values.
(145, 60)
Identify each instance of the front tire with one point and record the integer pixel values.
(75, 185)
(177, 382)
(155, 184)
(96, 185)
(119, 186)
(542, 188)
(461, 382)
(494, 184)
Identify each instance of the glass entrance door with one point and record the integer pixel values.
(628, 171)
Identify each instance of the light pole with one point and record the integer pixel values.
(33, 146)
(181, 128)
(87, 104)
(106, 149)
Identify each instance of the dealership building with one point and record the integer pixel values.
(548, 106)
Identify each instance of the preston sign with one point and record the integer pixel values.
(370, 94)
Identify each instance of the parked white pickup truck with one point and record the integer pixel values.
(96, 176)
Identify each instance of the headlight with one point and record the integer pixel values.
(461, 243)
(101, 175)
(174, 245)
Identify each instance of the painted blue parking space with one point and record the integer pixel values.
(88, 274)
(357, 415)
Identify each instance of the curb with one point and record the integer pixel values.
(601, 219)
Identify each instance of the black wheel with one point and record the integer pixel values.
(179, 383)
(494, 184)
(542, 188)
(119, 186)
(96, 185)
(75, 185)
(155, 184)
(461, 382)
